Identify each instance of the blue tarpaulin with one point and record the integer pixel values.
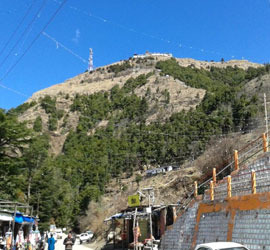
(19, 218)
(28, 219)
(23, 219)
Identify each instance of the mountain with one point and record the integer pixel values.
(108, 126)
(165, 95)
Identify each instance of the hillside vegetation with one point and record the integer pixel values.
(107, 135)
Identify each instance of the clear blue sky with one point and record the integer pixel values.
(116, 29)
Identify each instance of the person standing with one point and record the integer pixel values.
(51, 243)
(69, 242)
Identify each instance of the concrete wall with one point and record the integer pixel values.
(180, 235)
(243, 218)
(252, 228)
(213, 227)
(232, 222)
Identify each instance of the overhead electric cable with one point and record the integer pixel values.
(34, 40)
(177, 44)
(17, 28)
(64, 47)
(24, 32)
(12, 90)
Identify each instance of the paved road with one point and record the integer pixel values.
(59, 246)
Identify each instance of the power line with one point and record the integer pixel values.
(13, 90)
(24, 32)
(177, 44)
(18, 26)
(34, 40)
(64, 47)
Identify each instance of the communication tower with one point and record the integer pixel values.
(90, 61)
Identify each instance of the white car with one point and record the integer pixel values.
(220, 246)
(90, 233)
(59, 233)
(84, 237)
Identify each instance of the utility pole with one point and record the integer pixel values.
(150, 212)
(38, 203)
(266, 117)
(13, 227)
(135, 231)
(90, 61)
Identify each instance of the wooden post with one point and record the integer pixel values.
(265, 143)
(229, 186)
(214, 176)
(195, 189)
(236, 161)
(253, 182)
(212, 191)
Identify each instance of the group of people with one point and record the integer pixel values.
(21, 242)
(68, 242)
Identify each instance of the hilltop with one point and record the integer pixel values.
(181, 96)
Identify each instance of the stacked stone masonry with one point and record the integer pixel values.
(252, 228)
(248, 224)
(213, 227)
(181, 235)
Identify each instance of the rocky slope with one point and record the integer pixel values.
(165, 96)
(181, 96)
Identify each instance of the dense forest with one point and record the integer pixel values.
(61, 187)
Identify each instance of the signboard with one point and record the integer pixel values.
(148, 210)
(134, 200)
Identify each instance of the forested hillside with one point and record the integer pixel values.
(113, 135)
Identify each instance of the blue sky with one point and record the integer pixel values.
(116, 29)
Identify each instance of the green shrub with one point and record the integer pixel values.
(23, 107)
(52, 123)
(116, 68)
(38, 124)
(48, 104)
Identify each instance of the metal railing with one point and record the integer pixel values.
(259, 145)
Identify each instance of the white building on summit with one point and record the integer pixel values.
(148, 54)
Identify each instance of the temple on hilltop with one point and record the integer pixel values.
(149, 54)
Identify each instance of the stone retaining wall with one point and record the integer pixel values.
(243, 218)
(180, 236)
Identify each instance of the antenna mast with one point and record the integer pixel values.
(90, 61)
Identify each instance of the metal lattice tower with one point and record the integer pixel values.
(90, 61)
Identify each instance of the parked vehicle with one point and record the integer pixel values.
(220, 246)
(59, 233)
(84, 237)
(90, 233)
